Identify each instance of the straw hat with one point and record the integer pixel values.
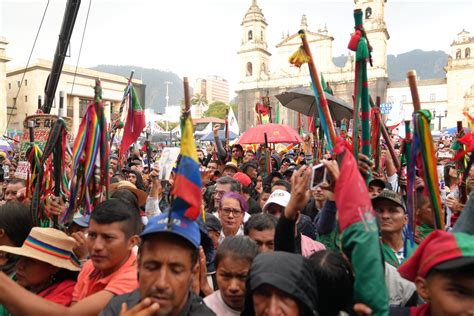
(48, 245)
(127, 185)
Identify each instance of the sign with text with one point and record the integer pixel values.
(167, 159)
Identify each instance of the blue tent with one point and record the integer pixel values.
(210, 136)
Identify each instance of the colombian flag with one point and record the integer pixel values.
(187, 183)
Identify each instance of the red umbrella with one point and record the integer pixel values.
(276, 133)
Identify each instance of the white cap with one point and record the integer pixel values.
(279, 197)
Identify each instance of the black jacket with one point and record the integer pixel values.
(288, 272)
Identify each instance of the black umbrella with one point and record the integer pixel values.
(302, 100)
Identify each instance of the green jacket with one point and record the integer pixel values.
(390, 257)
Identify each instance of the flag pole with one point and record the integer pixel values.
(185, 113)
(317, 83)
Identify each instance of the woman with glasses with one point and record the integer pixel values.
(232, 209)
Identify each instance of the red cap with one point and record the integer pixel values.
(438, 248)
(242, 178)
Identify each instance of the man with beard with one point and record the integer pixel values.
(167, 265)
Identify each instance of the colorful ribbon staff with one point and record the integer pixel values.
(300, 57)
(50, 178)
(360, 44)
(424, 145)
(90, 177)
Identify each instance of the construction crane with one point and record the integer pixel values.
(69, 19)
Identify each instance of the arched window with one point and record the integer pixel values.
(368, 12)
(261, 35)
(249, 69)
(458, 54)
(250, 36)
(467, 53)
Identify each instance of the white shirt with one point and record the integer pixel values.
(218, 306)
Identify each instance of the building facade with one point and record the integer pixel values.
(76, 97)
(257, 80)
(460, 78)
(433, 96)
(213, 89)
(3, 86)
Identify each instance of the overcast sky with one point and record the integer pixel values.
(201, 37)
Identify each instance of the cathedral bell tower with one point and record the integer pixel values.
(253, 52)
(376, 29)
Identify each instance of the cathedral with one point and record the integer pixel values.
(256, 79)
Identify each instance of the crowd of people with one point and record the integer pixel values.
(267, 244)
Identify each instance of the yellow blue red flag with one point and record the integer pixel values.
(187, 183)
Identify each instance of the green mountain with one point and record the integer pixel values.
(428, 65)
(154, 79)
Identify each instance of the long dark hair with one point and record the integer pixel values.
(334, 280)
(447, 178)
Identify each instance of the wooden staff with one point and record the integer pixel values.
(322, 98)
(148, 151)
(187, 95)
(411, 75)
(185, 113)
(377, 137)
(227, 147)
(426, 149)
(315, 137)
(407, 144)
(386, 137)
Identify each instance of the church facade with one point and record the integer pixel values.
(460, 78)
(452, 97)
(257, 80)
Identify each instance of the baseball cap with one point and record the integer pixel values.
(242, 178)
(390, 196)
(279, 197)
(82, 220)
(180, 226)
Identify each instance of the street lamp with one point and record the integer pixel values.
(440, 117)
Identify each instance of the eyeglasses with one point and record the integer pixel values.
(219, 193)
(236, 212)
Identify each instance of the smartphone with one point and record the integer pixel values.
(318, 176)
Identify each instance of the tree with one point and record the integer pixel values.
(198, 99)
(217, 109)
(234, 108)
